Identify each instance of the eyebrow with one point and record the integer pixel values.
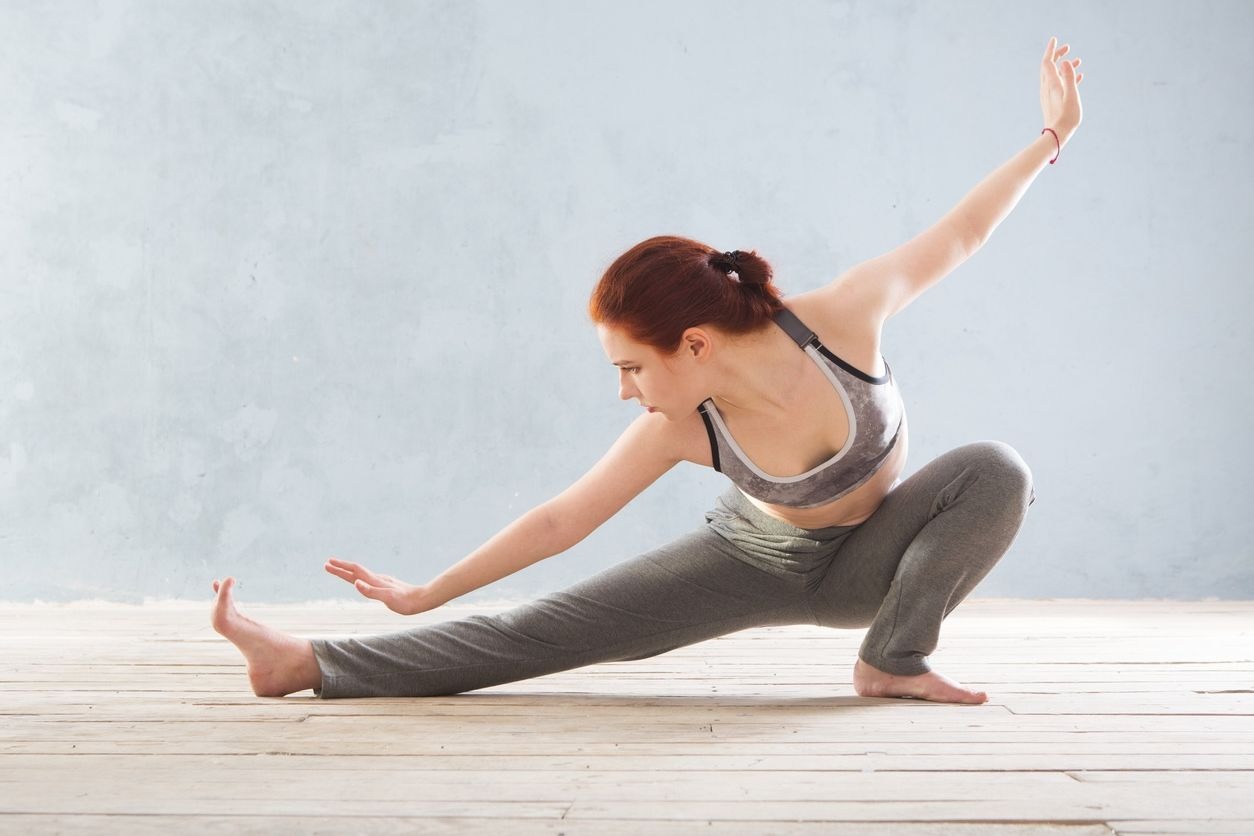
(624, 363)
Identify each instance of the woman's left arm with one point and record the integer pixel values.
(883, 286)
(988, 204)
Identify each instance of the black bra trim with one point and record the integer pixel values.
(709, 430)
(879, 381)
(803, 336)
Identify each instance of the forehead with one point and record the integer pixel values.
(618, 344)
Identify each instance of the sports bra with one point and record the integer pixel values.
(875, 411)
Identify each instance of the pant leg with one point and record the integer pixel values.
(935, 536)
(686, 591)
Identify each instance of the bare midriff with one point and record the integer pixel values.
(854, 507)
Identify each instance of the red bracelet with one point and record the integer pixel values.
(1051, 130)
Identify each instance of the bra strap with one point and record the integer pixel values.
(798, 330)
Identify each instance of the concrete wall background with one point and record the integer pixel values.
(287, 280)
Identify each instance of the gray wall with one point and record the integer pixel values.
(287, 280)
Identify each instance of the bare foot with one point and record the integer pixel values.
(278, 663)
(872, 682)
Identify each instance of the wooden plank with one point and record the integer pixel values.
(651, 727)
(859, 758)
(507, 745)
(680, 796)
(396, 825)
(1065, 807)
(1176, 827)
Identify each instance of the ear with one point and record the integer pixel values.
(696, 343)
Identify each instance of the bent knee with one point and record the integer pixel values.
(1004, 463)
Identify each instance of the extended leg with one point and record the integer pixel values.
(935, 536)
(687, 591)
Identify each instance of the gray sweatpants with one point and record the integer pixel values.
(900, 572)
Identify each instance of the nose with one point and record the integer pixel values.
(625, 391)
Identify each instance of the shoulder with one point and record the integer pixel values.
(655, 438)
(652, 436)
(838, 315)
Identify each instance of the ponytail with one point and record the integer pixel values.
(667, 284)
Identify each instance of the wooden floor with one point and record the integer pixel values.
(1104, 716)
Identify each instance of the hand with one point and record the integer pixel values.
(1060, 95)
(401, 597)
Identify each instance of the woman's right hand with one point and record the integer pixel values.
(398, 596)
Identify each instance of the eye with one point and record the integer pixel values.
(634, 369)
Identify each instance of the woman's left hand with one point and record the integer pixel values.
(1060, 94)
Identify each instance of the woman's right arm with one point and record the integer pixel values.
(648, 448)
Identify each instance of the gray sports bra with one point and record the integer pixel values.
(875, 411)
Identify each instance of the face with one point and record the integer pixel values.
(671, 385)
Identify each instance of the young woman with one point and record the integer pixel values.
(787, 397)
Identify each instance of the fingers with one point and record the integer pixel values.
(339, 571)
(350, 571)
(347, 565)
(1053, 52)
(379, 587)
(1071, 71)
(376, 593)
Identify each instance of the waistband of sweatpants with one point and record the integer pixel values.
(738, 504)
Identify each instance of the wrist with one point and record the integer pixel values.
(1051, 141)
(423, 598)
(1063, 130)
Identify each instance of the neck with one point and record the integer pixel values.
(760, 374)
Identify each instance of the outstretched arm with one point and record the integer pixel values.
(881, 287)
(527, 540)
(988, 204)
(642, 453)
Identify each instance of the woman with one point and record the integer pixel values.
(787, 398)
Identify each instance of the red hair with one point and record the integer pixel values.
(667, 284)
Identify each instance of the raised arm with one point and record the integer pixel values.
(884, 285)
(642, 453)
(988, 204)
